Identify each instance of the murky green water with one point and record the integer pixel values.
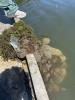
(56, 20)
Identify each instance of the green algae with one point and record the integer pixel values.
(19, 30)
(20, 1)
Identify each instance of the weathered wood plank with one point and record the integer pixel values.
(39, 87)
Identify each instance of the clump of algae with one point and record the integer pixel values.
(20, 1)
(6, 50)
(51, 61)
(19, 30)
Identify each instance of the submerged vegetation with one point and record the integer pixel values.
(51, 61)
(20, 1)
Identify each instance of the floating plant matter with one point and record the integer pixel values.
(51, 61)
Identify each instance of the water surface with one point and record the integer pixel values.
(56, 19)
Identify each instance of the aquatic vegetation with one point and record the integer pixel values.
(19, 30)
(20, 1)
(6, 50)
(52, 66)
(51, 61)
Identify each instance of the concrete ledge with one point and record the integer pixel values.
(38, 84)
(4, 27)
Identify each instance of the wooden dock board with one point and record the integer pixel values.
(38, 84)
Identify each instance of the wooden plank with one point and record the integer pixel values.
(38, 84)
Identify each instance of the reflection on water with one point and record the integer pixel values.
(56, 19)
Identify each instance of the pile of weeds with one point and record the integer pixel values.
(19, 30)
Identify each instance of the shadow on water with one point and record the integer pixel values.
(14, 85)
(4, 19)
